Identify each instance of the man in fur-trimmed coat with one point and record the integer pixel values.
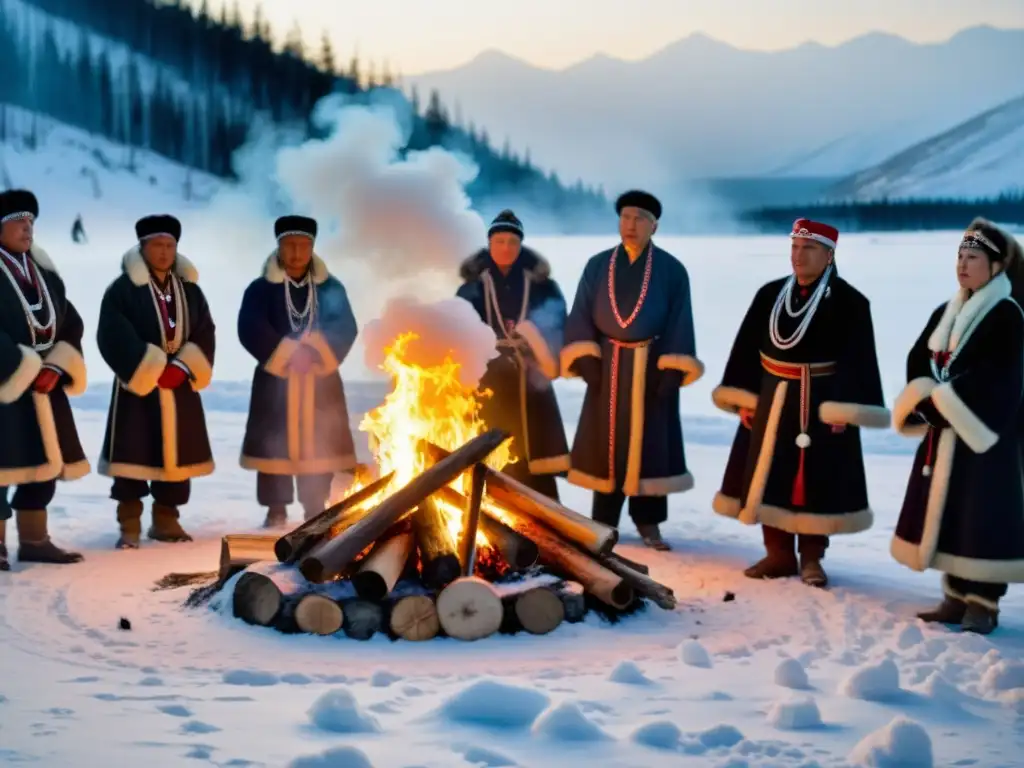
(296, 320)
(41, 364)
(803, 377)
(157, 334)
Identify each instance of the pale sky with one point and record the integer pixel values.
(423, 35)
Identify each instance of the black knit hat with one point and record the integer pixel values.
(636, 198)
(18, 204)
(506, 221)
(157, 225)
(295, 225)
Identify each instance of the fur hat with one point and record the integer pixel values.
(999, 245)
(18, 204)
(295, 225)
(157, 225)
(636, 198)
(506, 221)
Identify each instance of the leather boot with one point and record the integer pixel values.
(165, 525)
(5, 564)
(812, 574)
(34, 545)
(773, 567)
(129, 518)
(980, 619)
(651, 535)
(277, 517)
(949, 611)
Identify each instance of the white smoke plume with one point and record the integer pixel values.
(449, 328)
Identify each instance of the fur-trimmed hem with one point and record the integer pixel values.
(134, 265)
(590, 482)
(273, 271)
(26, 475)
(663, 486)
(305, 467)
(995, 571)
(854, 414)
(726, 506)
(18, 383)
(54, 466)
(330, 362)
(573, 352)
(969, 428)
(916, 391)
(198, 364)
(160, 474)
(277, 365)
(545, 356)
(551, 465)
(75, 471)
(148, 371)
(71, 361)
(691, 368)
(814, 524)
(956, 595)
(732, 399)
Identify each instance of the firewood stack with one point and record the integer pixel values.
(388, 563)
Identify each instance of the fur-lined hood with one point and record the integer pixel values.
(133, 265)
(42, 258)
(273, 271)
(535, 265)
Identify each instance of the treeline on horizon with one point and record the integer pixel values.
(892, 215)
(188, 86)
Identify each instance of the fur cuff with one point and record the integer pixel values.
(854, 414)
(573, 352)
(198, 365)
(148, 371)
(968, 427)
(691, 368)
(17, 383)
(318, 341)
(912, 395)
(732, 399)
(545, 357)
(70, 360)
(277, 365)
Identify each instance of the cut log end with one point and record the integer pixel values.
(622, 596)
(362, 619)
(415, 618)
(469, 609)
(370, 585)
(539, 611)
(318, 615)
(441, 571)
(256, 599)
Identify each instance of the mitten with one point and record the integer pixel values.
(172, 377)
(303, 359)
(46, 381)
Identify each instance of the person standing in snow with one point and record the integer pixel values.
(630, 337)
(963, 512)
(510, 287)
(41, 364)
(803, 377)
(78, 230)
(158, 337)
(296, 320)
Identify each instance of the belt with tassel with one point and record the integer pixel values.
(802, 372)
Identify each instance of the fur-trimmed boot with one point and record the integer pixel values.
(950, 611)
(980, 619)
(5, 564)
(277, 517)
(34, 544)
(165, 525)
(774, 566)
(812, 573)
(651, 535)
(129, 518)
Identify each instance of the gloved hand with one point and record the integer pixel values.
(747, 417)
(46, 380)
(927, 410)
(589, 369)
(668, 382)
(172, 377)
(303, 359)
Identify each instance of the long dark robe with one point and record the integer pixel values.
(527, 312)
(965, 517)
(153, 433)
(298, 423)
(40, 440)
(844, 389)
(630, 437)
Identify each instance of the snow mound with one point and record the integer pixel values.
(486, 758)
(566, 722)
(694, 654)
(335, 757)
(720, 736)
(791, 674)
(1003, 676)
(901, 744)
(909, 637)
(937, 687)
(251, 677)
(660, 734)
(794, 714)
(338, 711)
(494, 703)
(873, 682)
(382, 678)
(629, 673)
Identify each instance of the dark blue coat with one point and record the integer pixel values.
(298, 423)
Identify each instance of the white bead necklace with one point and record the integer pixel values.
(35, 328)
(785, 300)
(300, 320)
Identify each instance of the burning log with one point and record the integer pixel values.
(518, 551)
(508, 492)
(439, 561)
(318, 615)
(362, 619)
(263, 589)
(644, 585)
(469, 609)
(380, 570)
(471, 521)
(602, 583)
(240, 550)
(343, 515)
(415, 618)
(332, 556)
(638, 567)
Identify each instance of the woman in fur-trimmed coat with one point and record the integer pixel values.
(963, 513)
(157, 335)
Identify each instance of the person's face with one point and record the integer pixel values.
(295, 252)
(160, 252)
(504, 248)
(636, 226)
(974, 269)
(16, 235)
(809, 259)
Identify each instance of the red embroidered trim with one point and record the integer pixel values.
(612, 411)
(643, 290)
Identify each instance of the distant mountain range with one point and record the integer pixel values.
(703, 109)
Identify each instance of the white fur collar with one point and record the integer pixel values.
(964, 314)
(42, 258)
(135, 267)
(273, 272)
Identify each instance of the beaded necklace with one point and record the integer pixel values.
(37, 330)
(643, 289)
(808, 310)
